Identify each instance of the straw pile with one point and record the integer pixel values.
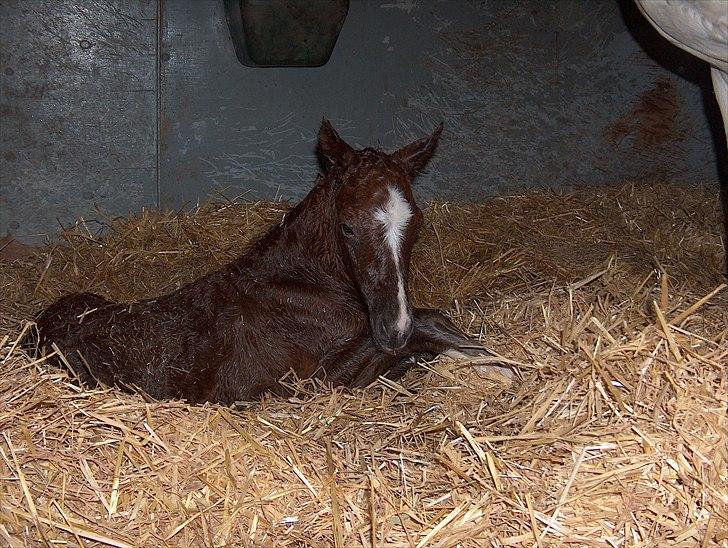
(613, 301)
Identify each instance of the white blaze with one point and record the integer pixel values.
(394, 218)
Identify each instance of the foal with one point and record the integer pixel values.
(324, 293)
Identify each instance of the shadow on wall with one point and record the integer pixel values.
(684, 65)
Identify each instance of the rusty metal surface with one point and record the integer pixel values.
(532, 94)
(77, 101)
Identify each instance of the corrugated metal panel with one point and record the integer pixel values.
(532, 94)
(78, 111)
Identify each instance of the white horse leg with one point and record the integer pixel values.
(720, 88)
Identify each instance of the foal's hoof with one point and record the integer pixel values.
(483, 362)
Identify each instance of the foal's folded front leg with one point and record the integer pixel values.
(434, 334)
(360, 362)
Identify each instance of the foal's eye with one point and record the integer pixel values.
(346, 230)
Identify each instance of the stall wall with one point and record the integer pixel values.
(77, 112)
(112, 106)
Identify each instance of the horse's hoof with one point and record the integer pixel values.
(483, 362)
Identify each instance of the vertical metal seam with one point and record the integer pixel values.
(158, 106)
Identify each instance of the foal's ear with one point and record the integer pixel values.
(416, 155)
(331, 149)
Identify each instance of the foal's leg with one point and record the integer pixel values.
(380, 364)
(434, 334)
(359, 363)
(356, 364)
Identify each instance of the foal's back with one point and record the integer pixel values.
(158, 345)
(228, 336)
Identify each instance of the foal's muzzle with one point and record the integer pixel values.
(388, 336)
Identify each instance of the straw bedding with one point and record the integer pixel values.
(612, 302)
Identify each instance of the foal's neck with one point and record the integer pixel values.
(305, 240)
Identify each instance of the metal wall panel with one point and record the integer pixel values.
(78, 107)
(531, 93)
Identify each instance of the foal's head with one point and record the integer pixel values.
(377, 224)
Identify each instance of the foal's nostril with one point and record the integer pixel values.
(380, 333)
(381, 329)
(403, 336)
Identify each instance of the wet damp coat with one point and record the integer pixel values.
(321, 294)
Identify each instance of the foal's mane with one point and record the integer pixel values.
(303, 241)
